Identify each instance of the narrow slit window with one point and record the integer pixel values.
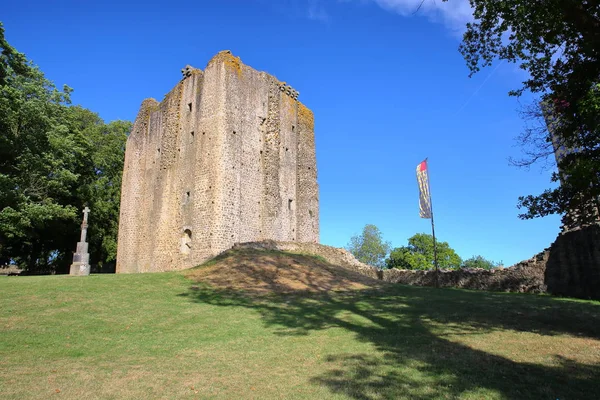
(190, 106)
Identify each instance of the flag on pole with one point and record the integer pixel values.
(424, 195)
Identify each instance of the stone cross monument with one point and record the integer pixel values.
(81, 258)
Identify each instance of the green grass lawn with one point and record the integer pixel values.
(162, 336)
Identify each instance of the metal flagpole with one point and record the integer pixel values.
(435, 259)
(426, 209)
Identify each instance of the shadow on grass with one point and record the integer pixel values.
(415, 359)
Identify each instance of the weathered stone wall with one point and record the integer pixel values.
(525, 277)
(573, 267)
(133, 190)
(228, 156)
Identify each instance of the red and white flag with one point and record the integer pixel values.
(424, 195)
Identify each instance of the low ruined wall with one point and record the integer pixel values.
(10, 270)
(570, 267)
(525, 277)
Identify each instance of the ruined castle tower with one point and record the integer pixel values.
(228, 156)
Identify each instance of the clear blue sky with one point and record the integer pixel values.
(388, 89)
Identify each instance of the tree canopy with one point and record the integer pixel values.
(369, 247)
(479, 262)
(557, 42)
(54, 159)
(11, 61)
(419, 254)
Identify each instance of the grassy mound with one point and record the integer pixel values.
(269, 271)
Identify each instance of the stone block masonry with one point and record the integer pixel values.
(228, 156)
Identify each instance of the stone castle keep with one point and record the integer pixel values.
(228, 156)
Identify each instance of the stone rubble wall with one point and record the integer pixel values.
(569, 267)
(525, 277)
(10, 270)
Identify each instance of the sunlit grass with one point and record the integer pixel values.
(163, 336)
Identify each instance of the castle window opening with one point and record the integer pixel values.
(186, 242)
(190, 106)
(290, 204)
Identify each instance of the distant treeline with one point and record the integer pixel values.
(369, 248)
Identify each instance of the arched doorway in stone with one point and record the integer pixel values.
(186, 242)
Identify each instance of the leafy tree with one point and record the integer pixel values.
(419, 254)
(38, 157)
(557, 42)
(100, 187)
(369, 246)
(479, 262)
(11, 61)
(54, 159)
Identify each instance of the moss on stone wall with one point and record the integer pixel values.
(305, 115)
(231, 62)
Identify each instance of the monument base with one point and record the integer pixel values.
(79, 269)
(81, 261)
